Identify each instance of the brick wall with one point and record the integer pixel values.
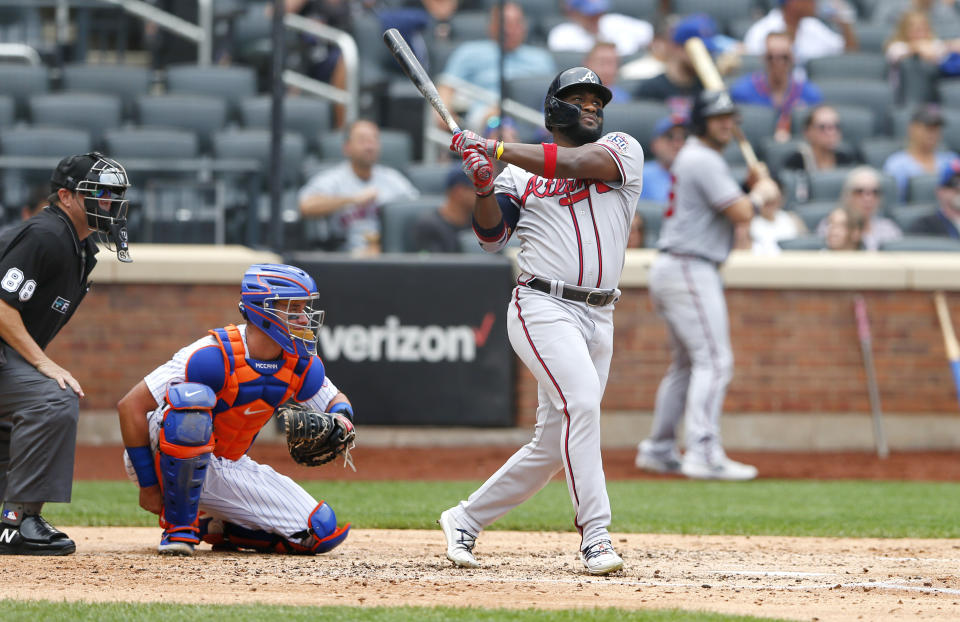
(795, 350)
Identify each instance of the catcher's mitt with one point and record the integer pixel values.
(315, 438)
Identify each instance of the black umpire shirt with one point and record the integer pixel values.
(43, 271)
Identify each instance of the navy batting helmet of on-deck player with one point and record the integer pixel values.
(558, 113)
(709, 104)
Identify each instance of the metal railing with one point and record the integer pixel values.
(200, 33)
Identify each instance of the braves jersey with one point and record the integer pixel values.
(573, 230)
(202, 361)
(703, 187)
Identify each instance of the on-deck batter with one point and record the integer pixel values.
(696, 237)
(571, 203)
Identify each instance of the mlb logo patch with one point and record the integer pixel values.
(60, 305)
(618, 141)
(11, 515)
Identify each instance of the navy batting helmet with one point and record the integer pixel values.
(709, 104)
(558, 113)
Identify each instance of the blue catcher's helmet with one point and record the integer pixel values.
(280, 300)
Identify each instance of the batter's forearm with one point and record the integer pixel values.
(588, 161)
(14, 334)
(486, 212)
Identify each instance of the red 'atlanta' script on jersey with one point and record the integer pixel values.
(573, 190)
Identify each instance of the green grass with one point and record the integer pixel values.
(36, 611)
(765, 507)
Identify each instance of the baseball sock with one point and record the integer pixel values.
(14, 512)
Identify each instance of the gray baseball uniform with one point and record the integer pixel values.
(572, 232)
(687, 292)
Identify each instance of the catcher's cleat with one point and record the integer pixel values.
(34, 536)
(178, 541)
(460, 542)
(599, 558)
(722, 468)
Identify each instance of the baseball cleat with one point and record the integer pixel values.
(654, 463)
(178, 541)
(459, 542)
(34, 536)
(175, 548)
(599, 558)
(721, 469)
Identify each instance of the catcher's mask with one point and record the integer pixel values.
(280, 300)
(102, 182)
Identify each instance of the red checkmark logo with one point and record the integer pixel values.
(481, 333)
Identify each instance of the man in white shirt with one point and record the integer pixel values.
(811, 37)
(588, 22)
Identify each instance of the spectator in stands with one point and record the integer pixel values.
(918, 57)
(771, 225)
(637, 231)
(820, 149)
(427, 19)
(604, 61)
(589, 21)
(776, 86)
(669, 134)
(946, 220)
(811, 37)
(349, 195)
(843, 230)
(862, 195)
(937, 11)
(678, 84)
(922, 155)
(438, 231)
(36, 201)
(654, 62)
(478, 62)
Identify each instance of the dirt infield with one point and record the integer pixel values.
(380, 463)
(793, 578)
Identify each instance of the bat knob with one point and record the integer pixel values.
(483, 174)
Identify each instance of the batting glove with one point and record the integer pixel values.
(479, 169)
(470, 140)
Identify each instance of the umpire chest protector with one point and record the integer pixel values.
(249, 396)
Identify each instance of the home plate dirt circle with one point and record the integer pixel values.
(793, 578)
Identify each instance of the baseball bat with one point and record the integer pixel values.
(415, 71)
(710, 78)
(873, 389)
(949, 339)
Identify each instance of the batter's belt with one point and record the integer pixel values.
(559, 289)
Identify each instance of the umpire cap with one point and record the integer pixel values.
(558, 113)
(709, 103)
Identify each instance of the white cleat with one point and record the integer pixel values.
(722, 469)
(648, 461)
(599, 558)
(459, 542)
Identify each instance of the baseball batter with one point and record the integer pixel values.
(695, 239)
(571, 203)
(188, 425)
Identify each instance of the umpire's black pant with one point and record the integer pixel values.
(38, 433)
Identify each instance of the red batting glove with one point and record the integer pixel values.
(479, 169)
(470, 140)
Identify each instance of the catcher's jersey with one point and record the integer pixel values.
(576, 230)
(703, 187)
(202, 361)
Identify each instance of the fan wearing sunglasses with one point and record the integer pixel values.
(44, 265)
(862, 194)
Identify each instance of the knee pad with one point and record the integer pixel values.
(323, 527)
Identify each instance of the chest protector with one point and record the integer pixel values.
(248, 398)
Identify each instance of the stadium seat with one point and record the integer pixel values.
(564, 59)
(428, 177)
(950, 93)
(396, 222)
(757, 122)
(231, 83)
(22, 81)
(642, 9)
(922, 243)
(652, 214)
(874, 94)
(922, 189)
(87, 111)
(470, 25)
(775, 153)
(875, 151)
(803, 243)
(872, 37)
(128, 82)
(530, 91)
(37, 141)
(636, 118)
(199, 113)
(907, 215)
(139, 142)
(812, 213)
(396, 148)
(7, 111)
(308, 116)
(255, 144)
(725, 13)
(861, 65)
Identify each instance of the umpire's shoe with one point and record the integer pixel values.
(34, 536)
(459, 542)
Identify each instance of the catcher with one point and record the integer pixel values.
(187, 427)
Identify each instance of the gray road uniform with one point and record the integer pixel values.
(573, 235)
(685, 285)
